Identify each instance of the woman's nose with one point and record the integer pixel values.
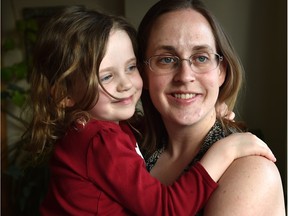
(184, 72)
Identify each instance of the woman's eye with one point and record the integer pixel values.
(106, 78)
(167, 60)
(201, 58)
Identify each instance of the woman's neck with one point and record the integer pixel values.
(187, 138)
(183, 145)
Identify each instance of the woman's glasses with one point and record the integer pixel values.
(199, 62)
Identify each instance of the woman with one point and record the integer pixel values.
(188, 67)
(83, 126)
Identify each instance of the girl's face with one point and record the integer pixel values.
(120, 77)
(183, 97)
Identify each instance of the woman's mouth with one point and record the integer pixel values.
(184, 95)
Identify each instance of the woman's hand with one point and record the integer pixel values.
(223, 111)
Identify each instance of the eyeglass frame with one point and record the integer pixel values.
(179, 60)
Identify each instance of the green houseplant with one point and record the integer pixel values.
(24, 188)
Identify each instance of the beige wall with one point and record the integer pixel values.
(258, 31)
(135, 9)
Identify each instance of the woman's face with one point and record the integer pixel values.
(183, 97)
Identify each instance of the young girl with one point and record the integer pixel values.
(84, 85)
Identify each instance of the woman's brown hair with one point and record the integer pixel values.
(154, 127)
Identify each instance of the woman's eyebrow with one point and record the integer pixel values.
(202, 48)
(166, 48)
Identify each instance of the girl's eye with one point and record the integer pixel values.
(106, 78)
(132, 68)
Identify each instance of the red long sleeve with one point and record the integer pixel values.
(97, 171)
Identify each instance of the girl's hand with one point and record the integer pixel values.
(222, 153)
(246, 144)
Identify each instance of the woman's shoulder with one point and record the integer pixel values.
(250, 186)
(254, 168)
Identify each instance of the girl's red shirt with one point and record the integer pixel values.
(95, 170)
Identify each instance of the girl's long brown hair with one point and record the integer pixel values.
(67, 56)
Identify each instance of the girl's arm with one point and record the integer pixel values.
(115, 167)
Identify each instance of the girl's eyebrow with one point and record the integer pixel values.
(111, 68)
(107, 69)
(131, 60)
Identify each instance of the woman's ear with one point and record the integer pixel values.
(222, 73)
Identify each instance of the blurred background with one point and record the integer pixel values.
(258, 31)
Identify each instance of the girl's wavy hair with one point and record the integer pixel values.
(66, 62)
(154, 127)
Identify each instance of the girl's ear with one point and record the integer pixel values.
(68, 102)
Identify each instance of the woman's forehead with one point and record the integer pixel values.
(181, 29)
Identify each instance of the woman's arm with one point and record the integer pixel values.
(250, 186)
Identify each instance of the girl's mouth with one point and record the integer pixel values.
(127, 100)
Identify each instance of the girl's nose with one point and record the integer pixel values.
(124, 84)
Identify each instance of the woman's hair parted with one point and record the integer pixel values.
(228, 93)
(68, 53)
